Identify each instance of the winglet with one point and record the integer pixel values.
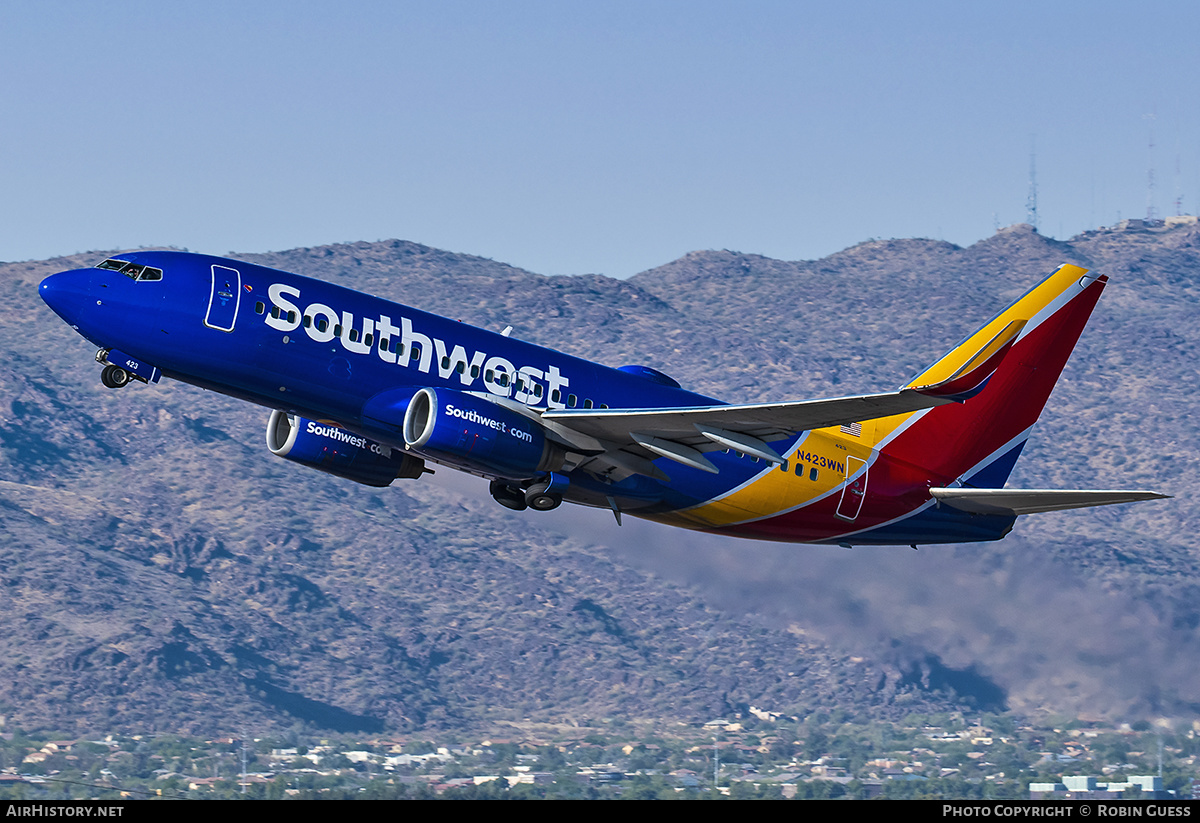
(972, 376)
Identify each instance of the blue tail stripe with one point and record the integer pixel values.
(995, 474)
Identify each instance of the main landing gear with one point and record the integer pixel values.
(537, 497)
(115, 377)
(510, 497)
(540, 498)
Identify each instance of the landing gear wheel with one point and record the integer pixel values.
(538, 497)
(508, 496)
(115, 377)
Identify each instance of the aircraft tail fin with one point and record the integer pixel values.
(977, 442)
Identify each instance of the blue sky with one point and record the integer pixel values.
(570, 137)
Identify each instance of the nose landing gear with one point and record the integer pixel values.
(114, 377)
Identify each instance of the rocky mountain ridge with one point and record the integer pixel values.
(162, 571)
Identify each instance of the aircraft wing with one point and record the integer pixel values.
(684, 434)
(624, 438)
(759, 420)
(1030, 501)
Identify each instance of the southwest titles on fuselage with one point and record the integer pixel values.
(527, 384)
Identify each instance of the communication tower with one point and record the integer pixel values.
(1031, 210)
(1151, 211)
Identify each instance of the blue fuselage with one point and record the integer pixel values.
(321, 351)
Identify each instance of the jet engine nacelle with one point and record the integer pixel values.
(336, 451)
(477, 434)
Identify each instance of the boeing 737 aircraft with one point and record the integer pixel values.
(371, 390)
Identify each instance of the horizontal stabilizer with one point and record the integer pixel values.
(1031, 501)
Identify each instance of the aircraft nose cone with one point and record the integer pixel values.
(67, 293)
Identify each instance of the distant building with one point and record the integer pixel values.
(1136, 223)
(532, 778)
(1085, 787)
(1131, 223)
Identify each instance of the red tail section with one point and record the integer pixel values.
(979, 440)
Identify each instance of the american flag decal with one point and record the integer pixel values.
(854, 430)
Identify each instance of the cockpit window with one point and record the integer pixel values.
(131, 270)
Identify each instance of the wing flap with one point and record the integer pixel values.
(1032, 501)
